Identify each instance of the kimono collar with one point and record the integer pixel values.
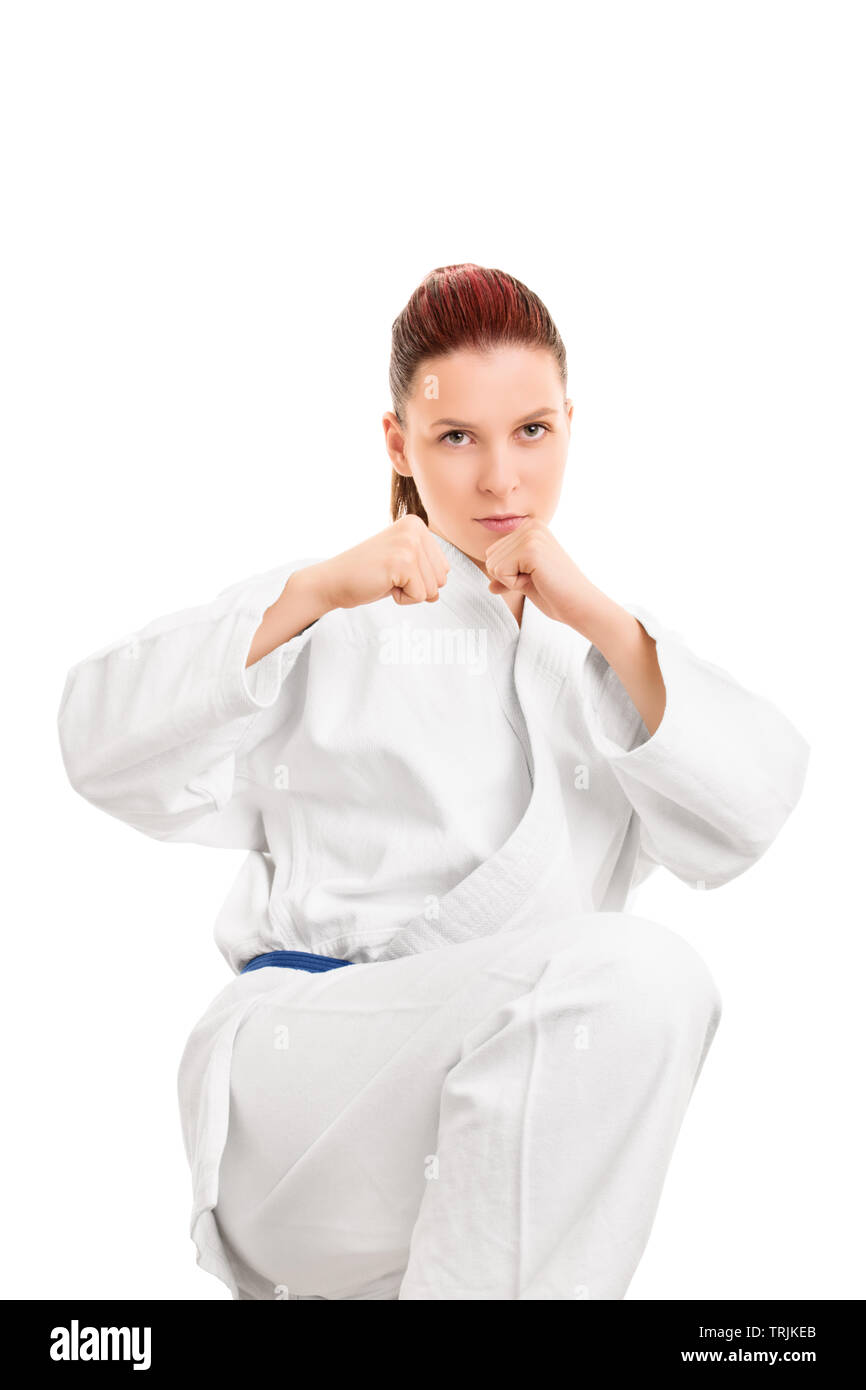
(502, 891)
(467, 593)
(537, 639)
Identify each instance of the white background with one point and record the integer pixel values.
(213, 213)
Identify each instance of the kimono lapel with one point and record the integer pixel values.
(533, 873)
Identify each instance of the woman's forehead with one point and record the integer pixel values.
(503, 381)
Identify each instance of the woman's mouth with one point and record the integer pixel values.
(500, 522)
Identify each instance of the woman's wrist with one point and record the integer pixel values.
(606, 624)
(309, 593)
(305, 599)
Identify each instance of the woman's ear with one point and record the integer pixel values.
(395, 443)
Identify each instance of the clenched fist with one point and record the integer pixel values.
(404, 561)
(531, 561)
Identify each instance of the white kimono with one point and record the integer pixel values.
(411, 777)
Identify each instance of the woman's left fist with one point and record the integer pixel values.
(531, 561)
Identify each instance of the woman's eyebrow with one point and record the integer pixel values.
(464, 425)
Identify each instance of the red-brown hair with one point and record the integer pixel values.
(461, 306)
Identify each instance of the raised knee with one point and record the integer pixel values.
(640, 966)
(665, 981)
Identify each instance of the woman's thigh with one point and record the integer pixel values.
(337, 1078)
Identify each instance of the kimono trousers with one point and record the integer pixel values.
(481, 1104)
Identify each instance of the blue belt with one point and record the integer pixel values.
(295, 960)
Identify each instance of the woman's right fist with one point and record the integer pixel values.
(405, 561)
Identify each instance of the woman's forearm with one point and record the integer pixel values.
(304, 599)
(628, 648)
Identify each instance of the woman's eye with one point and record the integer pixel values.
(537, 426)
(461, 434)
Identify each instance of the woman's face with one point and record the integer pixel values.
(486, 437)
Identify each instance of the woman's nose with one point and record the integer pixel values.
(498, 472)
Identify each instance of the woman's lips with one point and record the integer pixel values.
(500, 523)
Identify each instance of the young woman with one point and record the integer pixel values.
(450, 1063)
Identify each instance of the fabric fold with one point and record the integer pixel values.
(716, 781)
(150, 724)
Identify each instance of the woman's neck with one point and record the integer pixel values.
(515, 603)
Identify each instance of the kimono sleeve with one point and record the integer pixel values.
(715, 783)
(151, 726)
